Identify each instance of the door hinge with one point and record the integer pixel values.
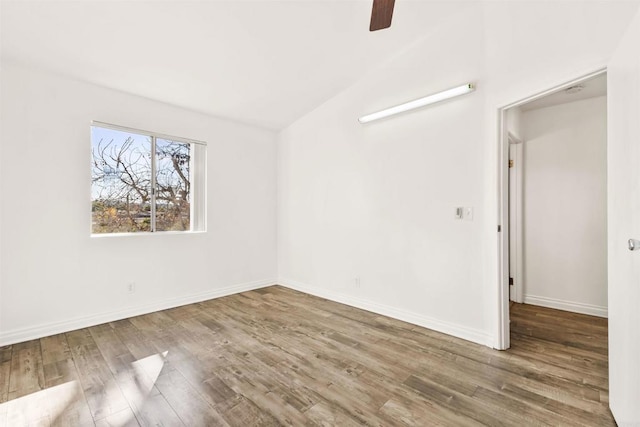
(499, 228)
(510, 164)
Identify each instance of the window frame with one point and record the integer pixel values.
(198, 179)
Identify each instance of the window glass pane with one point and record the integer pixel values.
(120, 181)
(173, 183)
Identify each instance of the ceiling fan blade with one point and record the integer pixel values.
(381, 14)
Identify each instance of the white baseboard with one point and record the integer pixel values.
(39, 331)
(474, 335)
(576, 307)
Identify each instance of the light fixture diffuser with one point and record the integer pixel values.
(420, 102)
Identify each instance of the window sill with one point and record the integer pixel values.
(145, 233)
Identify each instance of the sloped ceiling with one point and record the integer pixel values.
(265, 63)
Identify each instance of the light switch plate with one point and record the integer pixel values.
(468, 213)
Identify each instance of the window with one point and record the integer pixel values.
(145, 182)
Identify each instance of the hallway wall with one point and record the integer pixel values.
(565, 206)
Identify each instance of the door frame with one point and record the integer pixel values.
(503, 202)
(516, 145)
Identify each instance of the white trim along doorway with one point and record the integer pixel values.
(503, 208)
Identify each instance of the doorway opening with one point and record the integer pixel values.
(552, 208)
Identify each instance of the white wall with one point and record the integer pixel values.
(54, 276)
(565, 206)
(376, 201)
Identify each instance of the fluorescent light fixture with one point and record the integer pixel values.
(421, 102)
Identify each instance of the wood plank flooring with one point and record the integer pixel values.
(280, 357)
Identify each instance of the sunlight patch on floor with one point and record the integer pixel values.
(58, 403)
(42, 407)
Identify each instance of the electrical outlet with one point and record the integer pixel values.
(131, 287)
